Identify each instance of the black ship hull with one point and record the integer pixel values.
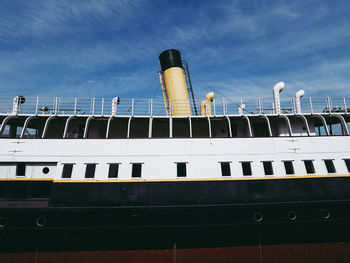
(41, 216)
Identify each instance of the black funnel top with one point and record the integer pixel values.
(170, 58)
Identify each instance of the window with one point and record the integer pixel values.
(246, 168)
(288, 166)
(181, 169)
(225, 169)
(309, 166)
(347, 163)
(330, 166)
(20, 169)
(90, 170)
(136, 170)
(268, 168)
(67, 170)
(113, 170)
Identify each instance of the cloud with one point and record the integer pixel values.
(242, 48)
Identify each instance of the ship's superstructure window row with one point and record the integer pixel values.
(119, 127)
(225, 169)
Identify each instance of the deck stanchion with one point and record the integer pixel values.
(102, 106)
(345, 107)
(311, 108)
(75, 106)
(132, 107)
(36, 105)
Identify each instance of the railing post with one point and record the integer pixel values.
(37, 105)
(214, 107)
(102, 105)
(132, 107)
(345, 107)
(311, 108)
(223, 106)
(329, 105)
(93, 106)
(56, 105)
(151, 107)
(189, 106)
(293, 105)
(259, 105)
(75, 106)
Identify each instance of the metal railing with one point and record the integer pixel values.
(156, 107)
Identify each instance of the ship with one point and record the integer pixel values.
(175, 179)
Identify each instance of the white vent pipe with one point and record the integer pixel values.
(241, 108)
(276, 96)
(16, 105)
(298, 96)
(115, 103)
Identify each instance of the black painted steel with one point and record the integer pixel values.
(83, 216)
(170, 58)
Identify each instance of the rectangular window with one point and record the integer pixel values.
(181, 169)
(67, 170)
(246, 168)
(21, 169)
(113, 170)
(330, 166)
(288, 166)
(309, 166)
(225, 169)
(268, 168)
(347, 163)
(90, 170)
(136, 170)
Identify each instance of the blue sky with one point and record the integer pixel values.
(106, 48)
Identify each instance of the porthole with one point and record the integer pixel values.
(258, 216)
(46, 170)
(326, 214)
(3, 221)
(292, 215)
(40, 221)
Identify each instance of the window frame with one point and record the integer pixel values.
(265, 168)
(21, 166)
(249, 163)
(178, 167)
(133, 171)
(330, 169)
(109, 170)
(292, 166)
(87, 172)
(228, 163)
(70, 172)
(347, 164)
(311, 161)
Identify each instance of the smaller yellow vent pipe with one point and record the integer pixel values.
(206, 104)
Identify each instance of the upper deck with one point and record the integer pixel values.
(36, 117)
(155, 107)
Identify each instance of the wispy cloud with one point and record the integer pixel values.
(100, 48)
